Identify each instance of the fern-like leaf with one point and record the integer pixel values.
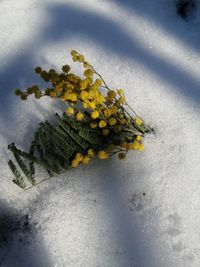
(19, 180)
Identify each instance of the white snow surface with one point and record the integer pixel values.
(99, 216)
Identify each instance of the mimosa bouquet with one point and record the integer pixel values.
(97, 123)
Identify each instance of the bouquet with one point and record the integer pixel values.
(97, 123)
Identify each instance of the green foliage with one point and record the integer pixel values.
(19, 180)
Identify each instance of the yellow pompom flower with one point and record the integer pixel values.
(84, 95)
(74, 53)
(114, 109)
(95, 114)
(121, 100)
(105, 132)
(99, 99)
(98, 82)
(79, 116)
(91, 153)
(85, 105)
(102, 154)
(81, 58)
(84, 84)
(120, 92)
(74, 163)
(111, 94)
(88, 73)
(91, 105)
(138, 121)
(107, 112)
(70, 111)
(91, 94)
(86, 160)
(138, 137)
(102, 124)
(75, 58)
(122, 121)
(93, 124)
(112, 121)
(135, 145)
(70, 96)
(53, 93)
(78, 157)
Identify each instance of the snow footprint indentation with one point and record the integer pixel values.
(174, 232)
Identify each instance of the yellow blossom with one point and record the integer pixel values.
(112, 121)
(91, 94)
(91, 152)
(120, 92)
(79, 116)
(93, 124)
(52, 93)
(128, 122)
(99, 98)
(122, 121)
(78, 157)
(81, 58)
(98, 82)
(70, 111)
(121, 100)
(74, 163)
(114, 109)
(111, 94)
(102, 124)
(88, 73)
(138, 137)
(135, 145)
(107, 112)
(138, 121)
(85, 105)
(75, 58)
(105, 132)
(86, 160)
(102, 154)
(84, 84)
(74, 53)
(91, 105)
(84, 95)
(70, 96)
(95, 114)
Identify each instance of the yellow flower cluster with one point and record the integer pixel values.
(89, 100)
(136, 144)
(85, 159)
(79, 158)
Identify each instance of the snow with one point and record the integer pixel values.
(141, 212)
